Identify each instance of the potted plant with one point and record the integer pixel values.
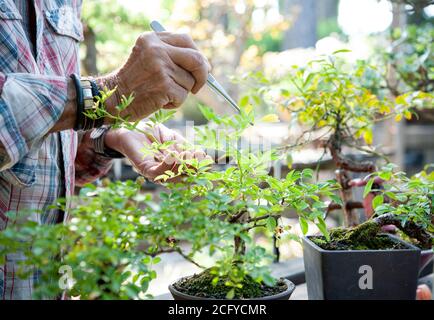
(116, 233)
(217, 210)
(364, 262)
(336, 109)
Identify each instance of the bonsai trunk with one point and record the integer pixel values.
(239, 244)
(371, 228)
(345, 165)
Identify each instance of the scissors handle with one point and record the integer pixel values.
(211, 81)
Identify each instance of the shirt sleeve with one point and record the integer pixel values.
(30, 105)
(89, 165)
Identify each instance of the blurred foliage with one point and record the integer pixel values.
(115, 28)
(334, 100)
(409, 198)
(99, 245)
(327, 27)
(411, 55)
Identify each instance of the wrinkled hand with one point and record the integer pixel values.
(130, 144)
(161, 70)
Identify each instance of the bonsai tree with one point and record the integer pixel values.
(116, 233)
(336, 106)
(406, 203)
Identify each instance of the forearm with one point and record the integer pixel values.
(30, 106)
(69, 115)
(89, 165)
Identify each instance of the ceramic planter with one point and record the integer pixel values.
(361, 274)
(177, 295)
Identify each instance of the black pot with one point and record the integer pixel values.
(177, 295)
(361, 274)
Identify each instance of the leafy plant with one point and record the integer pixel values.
(99, 246)
(411, 55)
(402, 202)
(116, 231)
(336, 106)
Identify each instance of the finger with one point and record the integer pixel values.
(181, 40)
(184, 78)
(186, 155)
(192, 61)
(166, 134)
(177, 95)
(199, 155)
(151, 169)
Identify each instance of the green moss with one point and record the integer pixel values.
(201, 285)
(408, 239)
(366, 236)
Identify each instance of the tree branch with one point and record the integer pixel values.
(410, 228)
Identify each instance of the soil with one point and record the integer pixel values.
(200, 285)
(355, 239)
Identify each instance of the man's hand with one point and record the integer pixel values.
(161, 70)
(129, 143)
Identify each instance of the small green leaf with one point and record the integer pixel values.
(270, 118)
(336, 199)
(368, 188)
(214, 281)
(378, 200)
(341, 51)
(303, 224)
(271, 224)
(289, 160)
(385, 175)
(323, 228)
(230, 294)
(307, 173)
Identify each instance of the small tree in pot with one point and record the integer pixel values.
(116, 233)
(376, 265)
(217, 211)
(335, 103)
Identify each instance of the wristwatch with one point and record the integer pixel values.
(97, 136)
(87, 92)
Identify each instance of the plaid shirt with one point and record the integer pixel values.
(37, 167)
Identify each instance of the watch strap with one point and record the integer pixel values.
(98, 138)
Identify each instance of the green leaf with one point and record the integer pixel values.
(289, 160)
(307, 173)
(270, 118)
(341, 51)
(378, 200)
(368, 188)
(244, 101)
(385, 175)
(336, 199)
(323, 228)
(303, 224)
(230, 294)
(391, 195)
(214, 281)
(271, 224)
